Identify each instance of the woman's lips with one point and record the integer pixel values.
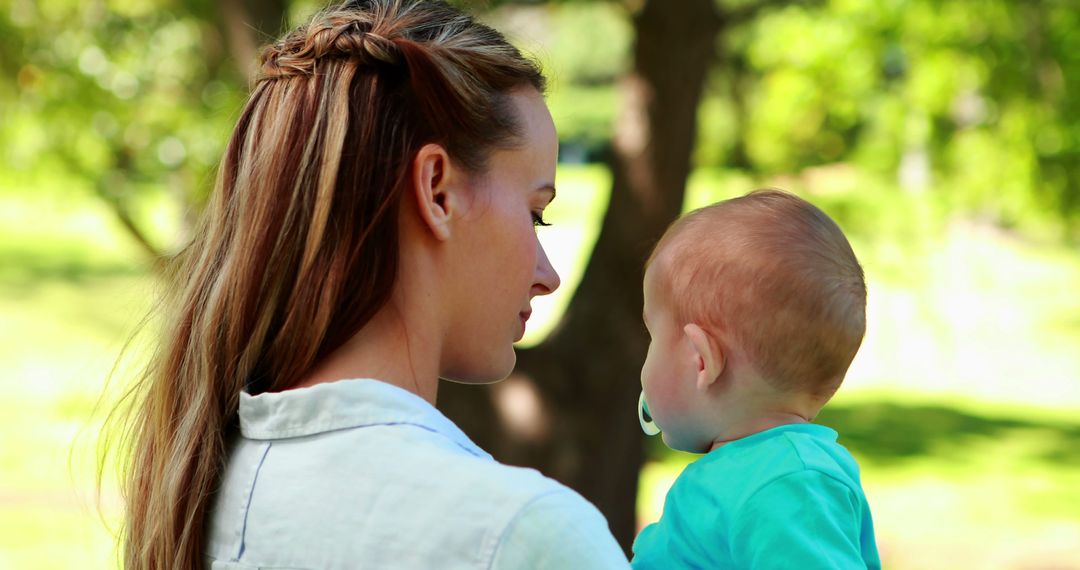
(524, 316)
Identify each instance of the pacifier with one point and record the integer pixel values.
(647, 424)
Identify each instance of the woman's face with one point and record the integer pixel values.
(503, 264)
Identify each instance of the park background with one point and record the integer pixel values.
(943, 136)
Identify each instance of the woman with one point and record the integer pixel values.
(371, 231)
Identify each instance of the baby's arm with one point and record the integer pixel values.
(806, 520)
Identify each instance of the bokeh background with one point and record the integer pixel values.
(943, 136)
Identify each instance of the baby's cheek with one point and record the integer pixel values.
(673, 412)
(665, 398)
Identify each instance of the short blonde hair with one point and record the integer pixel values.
(774, 274)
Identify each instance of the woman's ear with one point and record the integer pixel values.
(708, 354)
(433, 175)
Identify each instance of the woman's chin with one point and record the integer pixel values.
(487, 373)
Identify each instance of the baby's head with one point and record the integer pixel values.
(756, 307)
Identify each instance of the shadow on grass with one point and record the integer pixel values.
(887, 432)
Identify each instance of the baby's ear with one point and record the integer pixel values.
(708, 354)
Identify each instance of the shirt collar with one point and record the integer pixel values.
(341, 405)
(817, 431)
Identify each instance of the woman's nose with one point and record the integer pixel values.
(546, 277)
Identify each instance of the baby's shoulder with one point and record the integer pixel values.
(824, 456)
(741, 472)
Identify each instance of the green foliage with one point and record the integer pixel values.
(135, 99)
(966, 99)
(128, 98)
(591, 44)
(584, 115)
(978, 87)
(583, 47)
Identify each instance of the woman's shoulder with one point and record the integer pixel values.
(525, 482)
(362, 490)
(360, 465)
(409, 455)
(367, 430)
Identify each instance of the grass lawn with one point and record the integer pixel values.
(961, 407)
(68, 300)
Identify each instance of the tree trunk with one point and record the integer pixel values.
(737, 78)
(248, 24)
(577, 422)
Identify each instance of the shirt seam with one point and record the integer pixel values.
(247, 503)
(306, 428)
(513, 520)
(735, 448)
(302, 430)
(795, 448)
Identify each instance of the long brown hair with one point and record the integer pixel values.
(298, 247)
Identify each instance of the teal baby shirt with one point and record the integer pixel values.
(787, 497)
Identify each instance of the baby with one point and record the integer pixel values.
(756, 307)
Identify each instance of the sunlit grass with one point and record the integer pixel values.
(56, 353)
(71, 290)
(961, 407)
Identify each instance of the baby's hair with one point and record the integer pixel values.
(773, 274)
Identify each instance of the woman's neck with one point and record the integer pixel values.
(392, 348)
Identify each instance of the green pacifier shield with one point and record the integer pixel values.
(647, 424)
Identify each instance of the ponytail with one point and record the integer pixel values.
(298, 247)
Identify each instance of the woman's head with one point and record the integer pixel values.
(322, 155)
(301, 242)
(488, 261)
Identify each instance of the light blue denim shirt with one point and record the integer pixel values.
(363, 474)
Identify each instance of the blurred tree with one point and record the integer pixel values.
(973, 97)
(584, 375)
(972, 100)
(128, 99)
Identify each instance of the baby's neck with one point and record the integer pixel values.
(756, 424)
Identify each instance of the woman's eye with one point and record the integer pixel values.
(538, 220)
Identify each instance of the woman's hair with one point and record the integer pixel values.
(298, 248)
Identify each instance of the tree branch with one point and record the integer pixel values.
(123, 215)
(102, 186)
